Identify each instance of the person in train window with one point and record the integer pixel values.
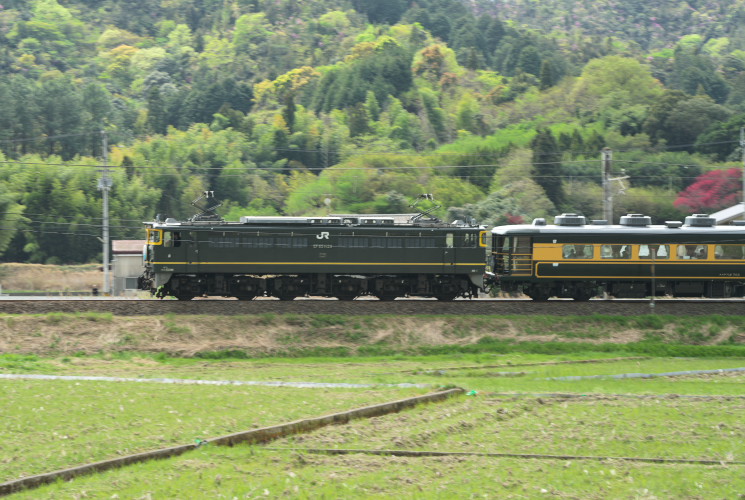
(700, 252)
(570, 252)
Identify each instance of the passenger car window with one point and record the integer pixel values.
(615, 251)
(578, 251)
(728, 252)
(659, 252)
(693, 252)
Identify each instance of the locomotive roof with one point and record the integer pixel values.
(362, 220)
(698, 227)
(616, 229)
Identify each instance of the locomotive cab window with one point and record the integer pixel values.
(659, 252)
(172, 239)
(483, 238)
(578, 251)
(615, 251)
(155, 236)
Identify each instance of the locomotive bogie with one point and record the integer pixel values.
(289, 287)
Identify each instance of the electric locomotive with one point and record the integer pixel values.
(576, 259)
(336, 256)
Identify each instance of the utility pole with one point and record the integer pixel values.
(742, 151)
(104, 184)
(606, 155)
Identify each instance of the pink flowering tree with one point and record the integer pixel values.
(712, 191)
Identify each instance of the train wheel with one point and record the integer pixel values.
(184, 296)
(538, 295)
(445, 298)
(583, 295)
(345, 297)
(386, 298)
(245, 297)
(286, 297)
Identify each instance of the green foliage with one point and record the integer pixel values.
(548, 168)
(255, 99)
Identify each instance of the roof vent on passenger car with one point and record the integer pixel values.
(738, 222)
(700, 220)
(540, 221)
(673, 224)
(570, 220)
(635, 220)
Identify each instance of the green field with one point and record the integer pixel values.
(519, 407)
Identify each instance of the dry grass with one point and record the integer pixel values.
(47, 278)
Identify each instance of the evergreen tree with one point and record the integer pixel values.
(547, 169)
(546, 76)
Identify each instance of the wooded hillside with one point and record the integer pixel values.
(500, 108)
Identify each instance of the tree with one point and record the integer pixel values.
(547, 165)
(712, 191)
(694, 72)
(11, 215)
(691, 117)
(615, 82)
(720, 139)
(382, 11)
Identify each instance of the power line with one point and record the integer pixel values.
(46, 137)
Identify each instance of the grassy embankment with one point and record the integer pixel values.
(293, 335)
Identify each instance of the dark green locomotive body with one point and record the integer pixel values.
(286, 257)
(633, 259)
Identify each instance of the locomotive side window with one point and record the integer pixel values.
(731, 252)
(417, 242)
(262, 242)
(470, 240)
(578, 251)
(615, 251)
(693, 252)
(449, 240)
(353, 242)
(654, 252)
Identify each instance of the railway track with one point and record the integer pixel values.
(146, 307)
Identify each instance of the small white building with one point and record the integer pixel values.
(127, 266)
(729, 215)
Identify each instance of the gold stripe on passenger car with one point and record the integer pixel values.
(627, 276)
(320, 263)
